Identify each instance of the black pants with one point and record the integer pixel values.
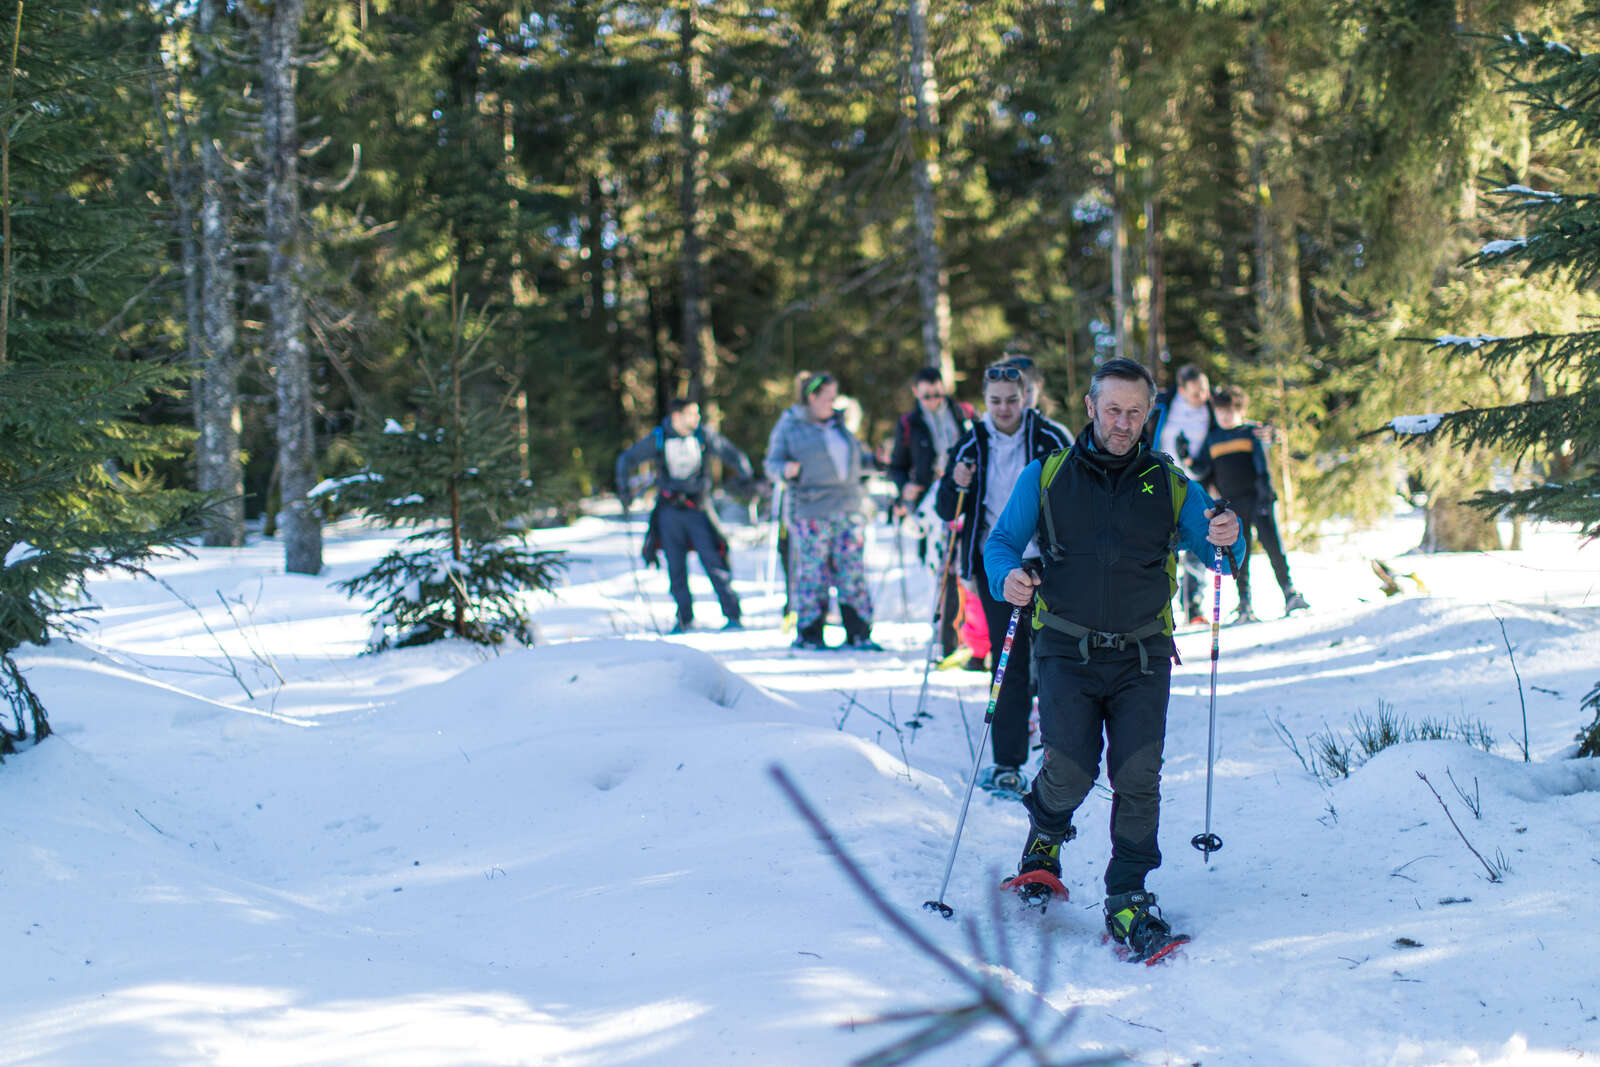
(1079, 703)
(1266, 531)
(682, 529)
(1009, 731)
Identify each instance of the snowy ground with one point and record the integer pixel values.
(575, 854)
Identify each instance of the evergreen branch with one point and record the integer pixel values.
(992, 1004)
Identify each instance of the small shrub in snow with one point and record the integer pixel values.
(1589, 737)
(1329, 756)
(453, 467)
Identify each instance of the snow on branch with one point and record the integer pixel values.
(1535, 195)
(333, 485)
(1500, 248)
(1415, 425)
(20, 553)
(1450, 340)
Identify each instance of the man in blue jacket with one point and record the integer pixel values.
(1107, 515)
(682, 518)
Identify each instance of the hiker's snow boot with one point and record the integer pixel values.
(1293, 602)
(1132, 919)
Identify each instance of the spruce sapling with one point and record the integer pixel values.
(454, 471)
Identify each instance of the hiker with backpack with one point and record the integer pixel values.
(984, 467)
(682, 518)
(1106, 517)
(823, 465)
(923, 439)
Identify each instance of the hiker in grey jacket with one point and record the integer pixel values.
(822, 465)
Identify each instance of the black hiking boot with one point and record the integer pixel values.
(810, 637)
(1132, 919)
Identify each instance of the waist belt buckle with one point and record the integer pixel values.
(1103, 639)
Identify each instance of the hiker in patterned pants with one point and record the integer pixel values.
(831, 555)
(822, 463)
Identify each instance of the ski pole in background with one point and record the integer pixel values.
(791, 610)
(900, 559)
(938, 608)
(1209, 842)
(633, 568)
(938, 903)
(777, 534)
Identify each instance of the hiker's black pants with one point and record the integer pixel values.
(1009, 732)
(682, 529)
(1265, 529)
(1079, 703)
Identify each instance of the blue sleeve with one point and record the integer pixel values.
(1193, 525)
(1002, 552)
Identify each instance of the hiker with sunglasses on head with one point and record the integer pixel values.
(1105, 517)
(986, 463)
(822, 465)
(922, 443)
(682, 518)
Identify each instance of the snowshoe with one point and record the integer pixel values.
(1244, 615)
(959, 658)
(861, 643)
(1134, 922)
(1008, 783)
(1293, 602)
(682, 626)
(1038, 879)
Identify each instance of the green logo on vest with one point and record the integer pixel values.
(1148, 488)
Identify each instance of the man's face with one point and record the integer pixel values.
(1119, 414)
(929, 394)
(1195, 391)
(1005, 403)
(686, 420)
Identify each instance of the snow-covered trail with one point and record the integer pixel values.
(249, 844)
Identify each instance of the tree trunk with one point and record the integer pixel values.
(286, 343)
(1232, 226)
(1279, 331)
(933, 286)
(1156, 334)
(1452, 526)
(219, 466)
(699, 344)
(1120, 306)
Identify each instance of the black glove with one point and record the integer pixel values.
(1182, 445)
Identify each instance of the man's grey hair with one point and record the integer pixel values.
(1124, 369)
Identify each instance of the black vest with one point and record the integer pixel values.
(1110, 568)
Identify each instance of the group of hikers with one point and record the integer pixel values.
(1087, 536)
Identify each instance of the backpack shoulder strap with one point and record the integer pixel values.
(1047, 474)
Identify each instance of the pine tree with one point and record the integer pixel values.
(77, 489)
(456, 472)
(1557, 426)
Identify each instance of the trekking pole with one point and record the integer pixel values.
(900, 557)
(1209, 842)
(633, 568)
(938, 903)
(938, 608)
(777, 529)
